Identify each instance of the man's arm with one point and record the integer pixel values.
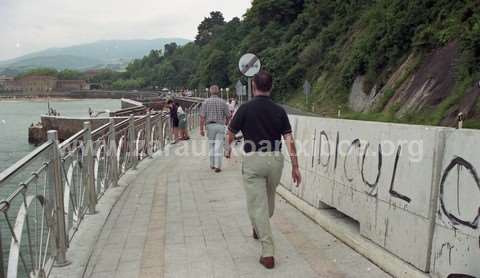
(228, 116)
(230, 137)
(234, 127)
(292, 150)
(228, 147)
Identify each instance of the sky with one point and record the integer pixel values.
(32, 25)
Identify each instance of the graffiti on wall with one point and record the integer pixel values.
(370, 166)
(454, 214)
(323, 136)
(360, 149)
(392, 190)
(455, 218)
(373, 185)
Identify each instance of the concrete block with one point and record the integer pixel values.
(375, 173)
(350, 236)
(456, 245)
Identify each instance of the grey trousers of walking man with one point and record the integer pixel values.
(216, 140)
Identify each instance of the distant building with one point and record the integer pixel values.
(38, 83)
(32, 83)
(44, 83)
(92, 73)
(71, 85)
(3, 80)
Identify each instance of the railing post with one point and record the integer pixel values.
(194, 117)
(197, 116)
(190, 121)
(89, 168)
(59, 207)
(169, 131)
(148, 134)
(131, 138)
(2, 270)
(160, 134)
(112, 147)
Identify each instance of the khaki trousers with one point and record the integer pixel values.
(261, 176)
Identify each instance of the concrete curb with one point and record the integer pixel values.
(351, 237)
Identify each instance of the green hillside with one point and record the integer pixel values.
(395, 51)
(57, 62)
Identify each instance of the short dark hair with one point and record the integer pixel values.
(263, 81)
(169, 101)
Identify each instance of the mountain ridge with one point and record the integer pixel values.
(89, 55)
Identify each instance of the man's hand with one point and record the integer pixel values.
(292, 150)
(202, 132)
(228, 153)
(228, 148)
(296, 176)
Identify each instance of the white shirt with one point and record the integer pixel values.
(231, 106)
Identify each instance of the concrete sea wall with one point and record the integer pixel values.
(82, 94)
(66, 126)
(128, 103)
(414, 190)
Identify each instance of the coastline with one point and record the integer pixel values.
(17, 115)
(38, 99)
(81, 94)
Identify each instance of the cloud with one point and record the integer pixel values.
(32, 25)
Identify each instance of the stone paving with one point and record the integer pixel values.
(179, 219)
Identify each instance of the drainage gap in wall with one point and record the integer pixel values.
(332, 212)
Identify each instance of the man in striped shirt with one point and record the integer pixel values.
(214, 115)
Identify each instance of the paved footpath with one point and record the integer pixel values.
(179, 219)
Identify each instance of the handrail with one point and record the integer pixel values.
(121, 124)
(100, 129)
(67, 184)
(12, 170)
(71, 139)
(5, 203)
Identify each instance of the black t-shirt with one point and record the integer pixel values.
(173, 112)
(262, 123)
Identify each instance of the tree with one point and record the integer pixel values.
(170, 49)
(165, 75)
(208, 27)
(128, 84)
(40, 71)
(281, 11)
(68, 74)
(215, 69)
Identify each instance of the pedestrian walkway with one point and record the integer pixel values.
(179, 219)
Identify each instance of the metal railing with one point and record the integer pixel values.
(52, 189)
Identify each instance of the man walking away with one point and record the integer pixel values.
(214, 115)
(263, 123)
